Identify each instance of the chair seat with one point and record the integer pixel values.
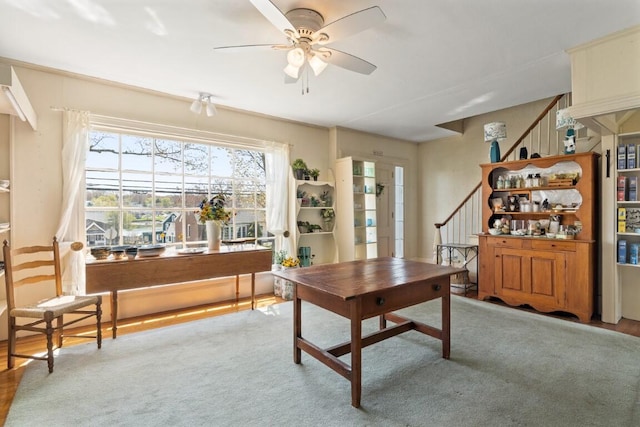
(57, 306)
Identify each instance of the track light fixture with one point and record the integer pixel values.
(203, 99)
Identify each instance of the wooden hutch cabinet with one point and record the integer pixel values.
(525, 263)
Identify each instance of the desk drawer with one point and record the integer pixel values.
(403, 296)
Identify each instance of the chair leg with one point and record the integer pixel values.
(59, 331)
(11, 345)
(49, 332)
(99, 323)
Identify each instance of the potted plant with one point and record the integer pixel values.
(303, 227)
(299, 168)
(314, 174)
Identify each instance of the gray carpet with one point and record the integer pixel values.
(507, 368)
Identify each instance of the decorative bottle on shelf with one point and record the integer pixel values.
(523, 153)
(494, 151)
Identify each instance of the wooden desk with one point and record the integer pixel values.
(360, 290)
(141, 272)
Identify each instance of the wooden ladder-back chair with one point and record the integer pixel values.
(35, 265)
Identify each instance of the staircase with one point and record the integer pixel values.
(541, 137)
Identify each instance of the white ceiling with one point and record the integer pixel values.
(438, 61)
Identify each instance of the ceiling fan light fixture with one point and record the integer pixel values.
(296, 57)
(292, 71)
(317, 65)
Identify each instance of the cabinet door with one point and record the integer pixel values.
(531, 277)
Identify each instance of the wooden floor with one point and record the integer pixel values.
(10, 379)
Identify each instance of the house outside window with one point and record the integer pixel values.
(143, 189)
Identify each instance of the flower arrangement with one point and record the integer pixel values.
(213, 209)
(327, 214)
(290, 262)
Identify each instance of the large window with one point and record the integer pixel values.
(141, 189)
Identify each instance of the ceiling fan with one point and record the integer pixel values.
(307, 36)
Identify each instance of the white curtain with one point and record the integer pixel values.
(277, 173)
(71, 228)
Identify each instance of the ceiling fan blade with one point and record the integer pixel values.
(242, 47)
(348, 25)
(275, 16)
(253, 46)
(346, 61)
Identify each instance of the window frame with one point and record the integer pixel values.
(122, 127)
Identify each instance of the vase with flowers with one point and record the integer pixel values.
(327, 217)
(213, 214)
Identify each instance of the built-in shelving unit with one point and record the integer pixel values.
(315, 220)
(357, 222)
(628, 201)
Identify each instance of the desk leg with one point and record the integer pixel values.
(253, 290)
(114, 314)
(446, 323)
(356, 352)
(238, 288)
(297, 326)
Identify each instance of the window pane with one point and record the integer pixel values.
(261, 195)
(165, 227)
(224, 186)
(137, 227)
(195, 189)
(102, 189)
(196, 159)
(244, 194)
(103, 151)
(136, 190)
(168, 191)
(101, 227)
(249, 164)
(136, 153)
(168, 156)
(221, 164)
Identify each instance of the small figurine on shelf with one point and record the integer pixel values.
(570, 142)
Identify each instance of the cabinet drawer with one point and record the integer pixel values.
(554, 245)
(505, 242)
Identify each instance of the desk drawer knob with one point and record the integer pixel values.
(437, 287)
(380, 301)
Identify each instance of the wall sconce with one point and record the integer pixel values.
(203, 99)
(495, 132)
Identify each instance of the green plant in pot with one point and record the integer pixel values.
(314, 174)
(299, 168)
